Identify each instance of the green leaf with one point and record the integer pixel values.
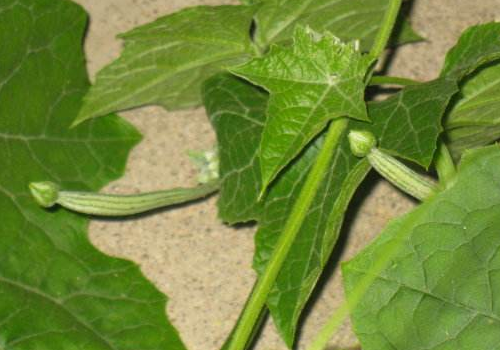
(56, 290)
(477, 45)
(165, 62)
(440, 286)
(237, 113)
(346, 19)
(408, 123)
(316, 80)
(473, 120)
(236, 110)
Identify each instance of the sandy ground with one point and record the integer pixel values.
(203, 266)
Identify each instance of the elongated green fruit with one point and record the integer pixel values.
(363, 144)
(48, 194)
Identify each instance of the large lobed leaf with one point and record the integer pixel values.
(312, 82)
(440, 288)
(166, 61)
(56, 290)
(346, 19)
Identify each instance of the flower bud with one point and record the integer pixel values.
(361, 142)
(45, 193)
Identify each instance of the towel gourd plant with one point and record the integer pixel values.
(283, 83)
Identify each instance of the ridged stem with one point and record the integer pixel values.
(48, 194)
(400, 175)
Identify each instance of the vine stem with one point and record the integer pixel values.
(331, 327)
(385, 30)
(264, 284)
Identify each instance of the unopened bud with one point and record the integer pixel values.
(45, 193)
(361, 142)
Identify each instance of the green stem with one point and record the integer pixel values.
(384, 79)
(385, 30)
(266, 281)
(259, 323)
(48, 194)
(444, 165)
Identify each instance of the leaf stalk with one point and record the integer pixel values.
(300, 208)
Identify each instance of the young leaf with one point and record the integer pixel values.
(166, 61)
(473, 119)
(477, 45)
(316, 80)
(56, 290)
(409, 122)
(237, 113)
(346, 19)
(440, 286)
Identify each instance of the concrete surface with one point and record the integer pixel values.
(203, 266)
